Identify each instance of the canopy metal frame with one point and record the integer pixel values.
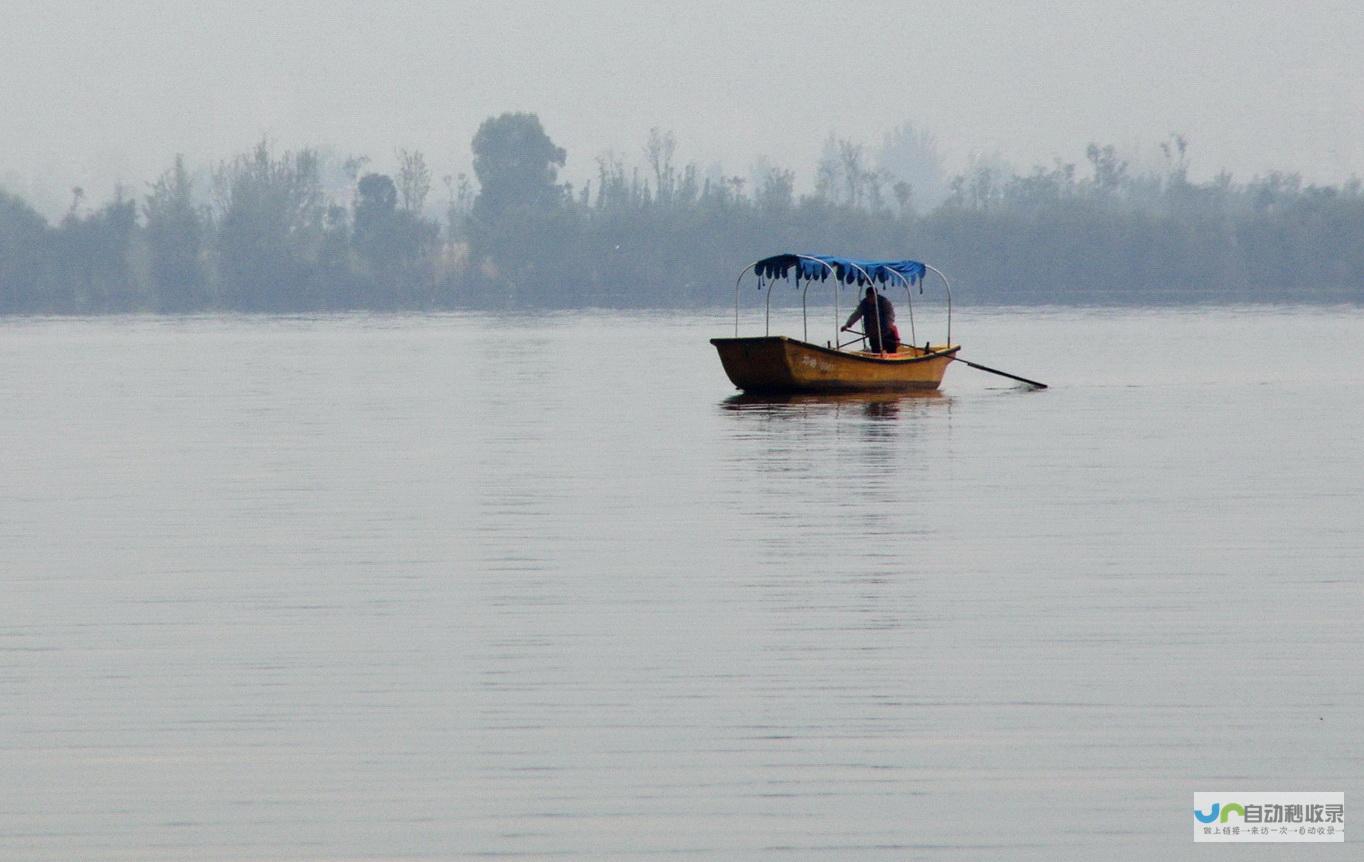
(838, 283)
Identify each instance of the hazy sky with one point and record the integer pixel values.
(91, 92)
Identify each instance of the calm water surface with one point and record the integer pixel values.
(399, 588)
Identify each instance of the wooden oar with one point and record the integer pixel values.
(976, 366)
(1000, 373)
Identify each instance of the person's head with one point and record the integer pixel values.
(871, 292)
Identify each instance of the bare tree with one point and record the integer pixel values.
(660, 151)
(414, 180)
(854, 174)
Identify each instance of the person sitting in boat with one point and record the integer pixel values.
(878, 322)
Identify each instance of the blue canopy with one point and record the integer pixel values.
(848, 270)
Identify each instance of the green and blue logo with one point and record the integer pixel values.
(1290, 816)
(1218, 814)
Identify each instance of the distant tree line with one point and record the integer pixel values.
(265, 236)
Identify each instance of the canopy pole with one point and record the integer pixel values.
(804, 318)
(948, 287)
(838, 284)
(736, 305)
(909, 303)
(829, 270)
(738, 281)
(767, 322)
(880, 330)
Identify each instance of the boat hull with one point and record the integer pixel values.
(777, 363)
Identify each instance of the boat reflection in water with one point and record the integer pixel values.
(873, 405)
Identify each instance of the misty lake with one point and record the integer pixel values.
(474, 585)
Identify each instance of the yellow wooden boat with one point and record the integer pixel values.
(777, 363)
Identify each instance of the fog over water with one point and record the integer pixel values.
(96, 93)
